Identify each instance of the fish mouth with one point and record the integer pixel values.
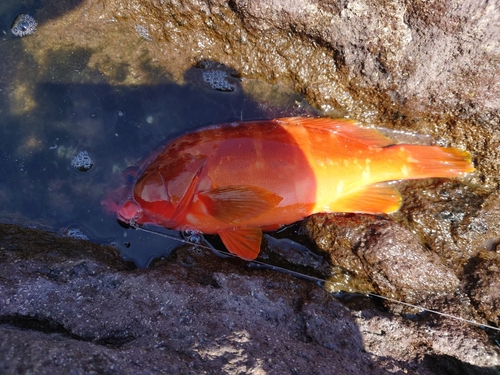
(119, 202)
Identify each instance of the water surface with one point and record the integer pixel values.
(49, 114)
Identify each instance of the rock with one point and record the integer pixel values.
(461, 227)
(450, 265)
(70, 306)
(459, 276)
(380, 250)
(483, 276)
(439, 212)
(423, 67)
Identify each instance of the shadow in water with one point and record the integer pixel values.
(117, 126)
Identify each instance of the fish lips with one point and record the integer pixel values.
(119, 202)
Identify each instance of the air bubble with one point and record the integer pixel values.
(217, 79)
(143, 32)
(76, 233)
(23, 25)
(82, 161)
(193, 236)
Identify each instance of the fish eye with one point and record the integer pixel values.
(128, 179)
(130, 174)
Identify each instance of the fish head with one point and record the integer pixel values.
(150, 202)
(139, 204)
(120, 201)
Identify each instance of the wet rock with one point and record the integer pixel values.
(423, 67)
(443, 266)
(461, 226)
(387, 254)
(483, 276)
(482, 271)
(71, 306)
(440, 213)
(240, 25)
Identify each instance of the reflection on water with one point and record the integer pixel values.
(111, 127)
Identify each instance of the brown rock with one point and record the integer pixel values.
(483, 276)
(384, 252)
(461, 227)
(69, 306)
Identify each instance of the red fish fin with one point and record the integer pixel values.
(345, 128)
(234, 204)
(373, 199)
(432, 161)
(243, 242)
(186, 200)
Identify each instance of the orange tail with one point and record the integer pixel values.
(433, 161)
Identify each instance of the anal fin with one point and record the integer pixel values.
(373, 199)
(243, 242)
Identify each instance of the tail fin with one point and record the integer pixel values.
(433, 161)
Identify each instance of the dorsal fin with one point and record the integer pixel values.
(343, 127)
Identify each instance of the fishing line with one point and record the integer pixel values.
(200, 241)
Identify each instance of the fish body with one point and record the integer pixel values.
(238, 179)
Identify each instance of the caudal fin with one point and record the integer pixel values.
(433, 161)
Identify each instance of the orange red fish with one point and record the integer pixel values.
(237, 180)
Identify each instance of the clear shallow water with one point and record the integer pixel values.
(115, 125)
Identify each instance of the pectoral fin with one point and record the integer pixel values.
(183, 205)
(373, 199)
(243, 242)
(235, 204)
